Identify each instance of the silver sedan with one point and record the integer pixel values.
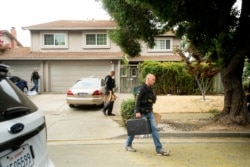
(86, 91)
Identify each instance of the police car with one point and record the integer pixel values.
(23, 135)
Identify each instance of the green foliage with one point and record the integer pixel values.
(214, 112)
(127, 109)
(171, 77)
(246, 85)
(209, 25)
(246, 75)
(142, 24)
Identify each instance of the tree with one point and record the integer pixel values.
(201, 68)
(214, 27)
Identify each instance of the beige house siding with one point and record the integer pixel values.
(75, 43)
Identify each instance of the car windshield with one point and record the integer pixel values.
(86, 84)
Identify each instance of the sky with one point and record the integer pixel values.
(23, 13)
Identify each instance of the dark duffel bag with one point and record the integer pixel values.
(138, 127)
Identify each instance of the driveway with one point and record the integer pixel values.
(73, 124)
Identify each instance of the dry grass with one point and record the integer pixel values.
(187, 104)
(177, 104)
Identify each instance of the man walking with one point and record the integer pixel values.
(144, 109)
(109, 94)
(34, 78)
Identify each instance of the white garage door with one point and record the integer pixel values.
(24, 69)
(63, 74)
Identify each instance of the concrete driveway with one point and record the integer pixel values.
(84, 123)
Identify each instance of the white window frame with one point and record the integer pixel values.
(95, 45)
(54, 45)
(162, 39)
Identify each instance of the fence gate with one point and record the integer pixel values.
(129, 78)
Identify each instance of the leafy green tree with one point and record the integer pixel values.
(214, 27)
(200, 67)
(246, 75)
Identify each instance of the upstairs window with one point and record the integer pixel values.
(96, 40)
(161, 45)
(56, 40)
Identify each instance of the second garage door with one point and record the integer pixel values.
(63, 74)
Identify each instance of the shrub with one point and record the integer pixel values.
(127, 109)
(171, 77)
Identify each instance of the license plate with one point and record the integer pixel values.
(18, 158)
(82, 94)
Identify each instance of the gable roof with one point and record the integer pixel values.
(156, 58)
(74, 25)
(24, 53)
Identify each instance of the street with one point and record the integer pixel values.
(185, 153)
(85, 137)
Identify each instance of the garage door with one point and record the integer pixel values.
(63, 74)
(24, 69)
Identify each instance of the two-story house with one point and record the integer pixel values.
(66, 50)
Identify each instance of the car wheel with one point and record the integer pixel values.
(71, 106)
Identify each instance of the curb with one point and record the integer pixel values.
(206, 134)
(200, 134)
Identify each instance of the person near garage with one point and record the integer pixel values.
(35, 79)
(109, 94)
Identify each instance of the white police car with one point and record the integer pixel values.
(23, 135)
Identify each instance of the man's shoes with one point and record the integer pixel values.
(130, 149)
(163, 152)
(111, 114)
(103, 112)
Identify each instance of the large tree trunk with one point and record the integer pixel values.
(235, 105)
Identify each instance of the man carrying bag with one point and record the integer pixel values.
(144, 109)
(109, 94)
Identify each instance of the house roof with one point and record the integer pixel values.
(156, 58)
(24, 53)
(74, 25)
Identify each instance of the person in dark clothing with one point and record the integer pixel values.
(109, 94)
(145, 99)
(35, 78)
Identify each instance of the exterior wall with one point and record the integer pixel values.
(146, 52)
(35, 41)
(176, 41)
(5, 38)
(75, 43)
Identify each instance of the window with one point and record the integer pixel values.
(56, 40)
(162, 44)
(133, 72)
(123, 72)
(96, 40)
